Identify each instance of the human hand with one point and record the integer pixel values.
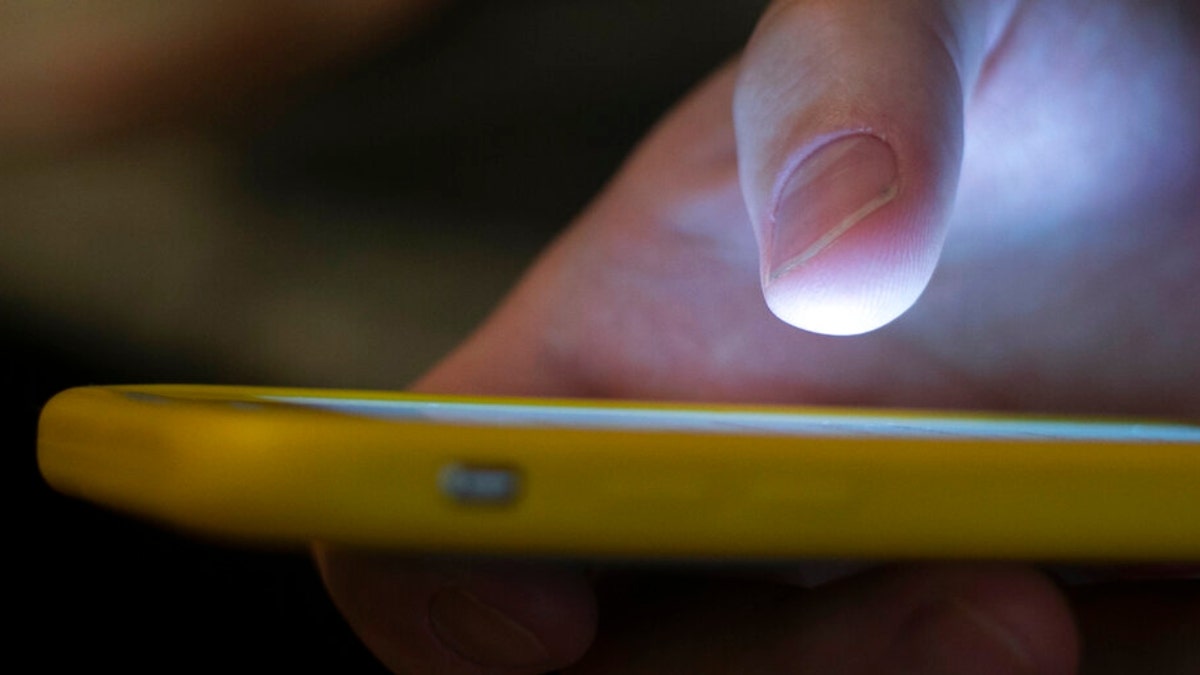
(1072, 130)
(1066, 284)
(71, 71)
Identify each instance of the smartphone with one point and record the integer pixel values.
(580, 478)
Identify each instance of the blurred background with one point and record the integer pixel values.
(316, 193)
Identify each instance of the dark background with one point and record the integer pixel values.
(469, 144)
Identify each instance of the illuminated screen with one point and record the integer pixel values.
(752, 422)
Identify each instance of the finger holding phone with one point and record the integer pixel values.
(975, 205)
(1027, 169)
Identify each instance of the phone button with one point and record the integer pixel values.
(480, 484)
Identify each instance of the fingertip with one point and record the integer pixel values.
(950, 619)
(1007, 620)
(854, 234)
(857, 285)
(836, 310)
(462, 617)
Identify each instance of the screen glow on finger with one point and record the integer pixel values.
(847, 300)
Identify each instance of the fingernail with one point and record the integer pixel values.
(828, 194)
(482, 634)
(957, 637)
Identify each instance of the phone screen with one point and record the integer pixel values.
(750, 422)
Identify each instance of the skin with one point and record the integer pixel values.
(1067, 263)
(1048, 159)
(71, 74)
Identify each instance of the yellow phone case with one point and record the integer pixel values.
(256, 464)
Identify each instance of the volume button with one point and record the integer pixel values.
(480, 484)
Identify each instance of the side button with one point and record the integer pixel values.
(480, 484)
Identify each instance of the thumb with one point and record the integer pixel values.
(849, 122)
